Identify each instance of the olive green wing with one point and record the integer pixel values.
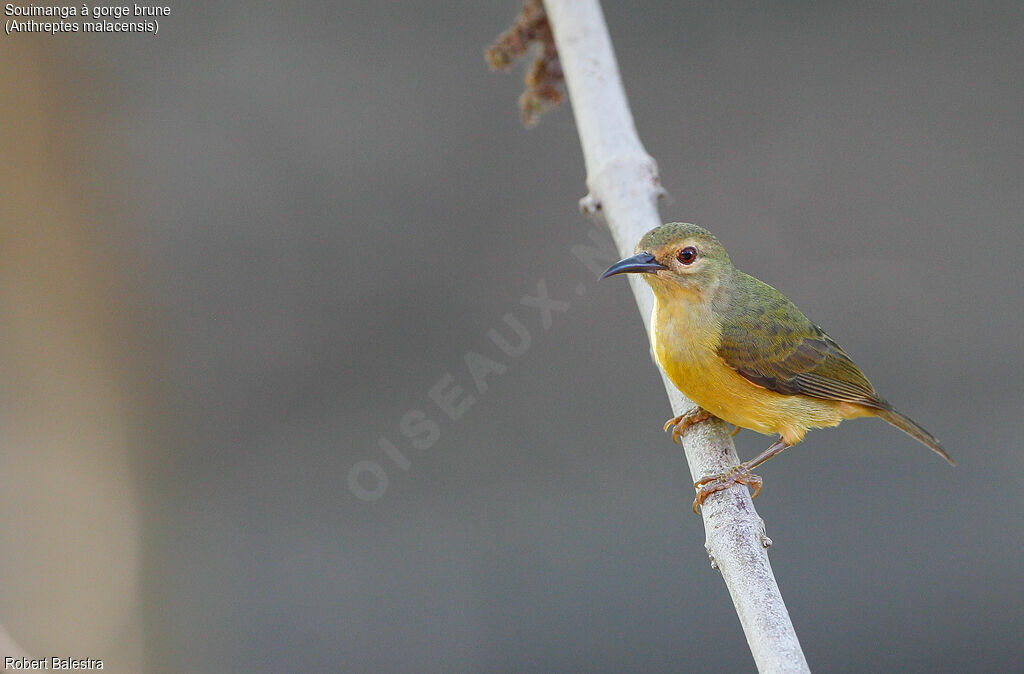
(767, 340)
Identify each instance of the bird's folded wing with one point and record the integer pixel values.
(786, 353)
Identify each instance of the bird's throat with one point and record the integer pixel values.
(685, 327)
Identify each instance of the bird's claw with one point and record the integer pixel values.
(706, 486)
(683, 421)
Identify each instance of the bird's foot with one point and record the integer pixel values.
(683, 421)
(706, 486)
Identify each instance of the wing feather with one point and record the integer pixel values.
(768, 341)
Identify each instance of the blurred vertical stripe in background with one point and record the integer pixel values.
(69, 377)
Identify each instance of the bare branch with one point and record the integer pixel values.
(623, 183)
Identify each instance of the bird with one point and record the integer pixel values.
(742, 352)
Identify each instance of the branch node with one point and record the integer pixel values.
(765, 541)
(589, 205)
(711, 557)
(631, 170)
(659, 190)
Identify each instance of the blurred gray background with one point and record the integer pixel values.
(328, 205)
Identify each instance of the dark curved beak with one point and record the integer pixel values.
(641, 263)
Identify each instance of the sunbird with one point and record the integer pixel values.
(742, 352)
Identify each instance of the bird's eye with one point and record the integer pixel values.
(687, 255)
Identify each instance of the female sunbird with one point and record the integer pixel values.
(744, 353)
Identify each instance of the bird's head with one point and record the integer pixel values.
(677, 256)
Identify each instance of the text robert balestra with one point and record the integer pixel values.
(55, 662)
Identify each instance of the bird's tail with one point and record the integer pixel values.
(913, 429)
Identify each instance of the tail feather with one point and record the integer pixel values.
(913, 429)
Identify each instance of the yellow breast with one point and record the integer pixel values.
(686, 336)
